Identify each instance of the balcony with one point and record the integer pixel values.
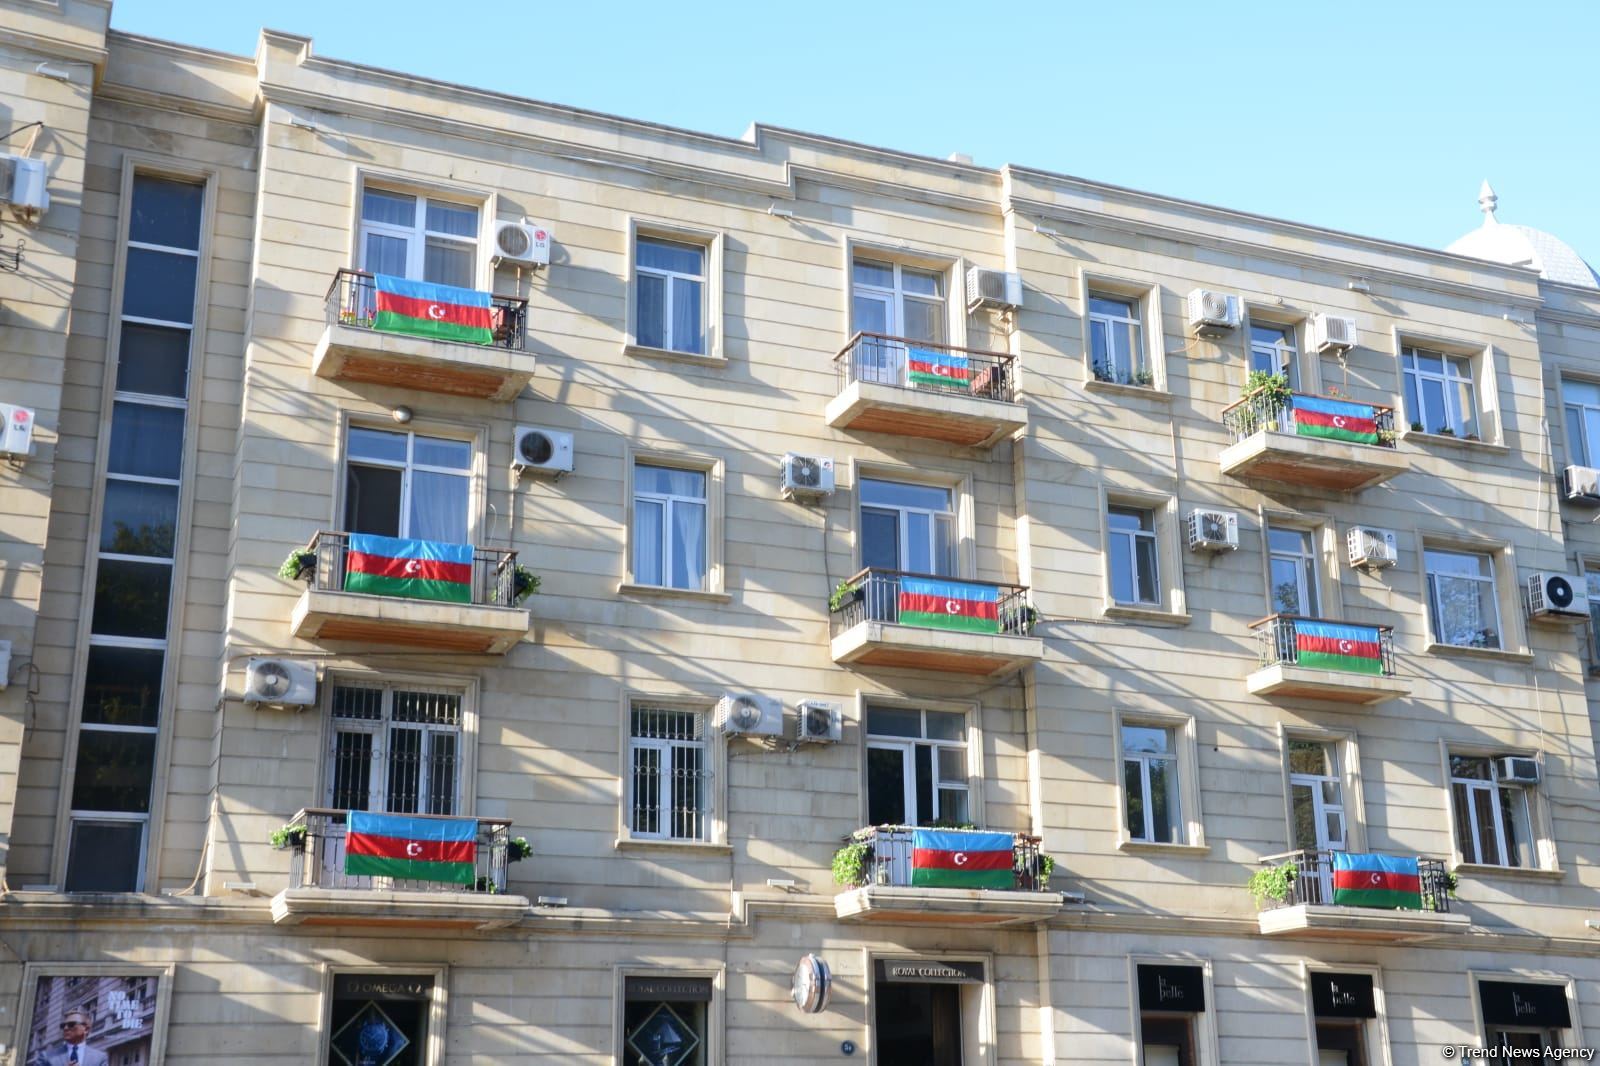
(483, 619)
(890, 888)
(922, 622)
(1317, 659)
(1308, 910)
(321, 893)
(1310, 441)
(934, 391)
(356, 348)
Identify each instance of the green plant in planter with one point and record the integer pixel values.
(1274, 882)
(486, 884)
(524, 583)
(1416, 427)
(517, 849)
(1386, 437)
(1143, 377)
(1273, 389)
(288, 837)
(850, 863)
(300, 563)
(1044, 866)
(1451, 883)
(844, 592)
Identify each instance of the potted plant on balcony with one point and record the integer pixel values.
(300, 564)
(288, 838)
(1043, 865)
(844, 592)
(851, 861)
(1143, 377)
(517, 849)
(1274, 883)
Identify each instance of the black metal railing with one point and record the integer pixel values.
(1266, 409)
(318, 859)
(889, 849)
(874, 596)
(494, 574)
(1278, 641)
(352, 301)
(1313, 880)
(880, 359)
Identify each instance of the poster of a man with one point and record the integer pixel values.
(84, 1021)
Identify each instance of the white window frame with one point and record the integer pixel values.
(381, 755)
(1182, 729)
(1308, 562)
(714, 765)
(1320, 807)
(417, 235)
(1284, 354)
(1346, 746)
(1449, 382)
(1171, 609)
(715, 471)
(908, 745)
(1129, 325)
(1581, 451)
(1146, 300)
(895, 296)
(408, 466)
(902, 550)
(1435, 615)
(670, 502)
(1146, 833)
(1492, 787)
(713, 242)
(1134, 538)
(672, 284)
(666, 747)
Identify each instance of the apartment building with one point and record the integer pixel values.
(961, 737)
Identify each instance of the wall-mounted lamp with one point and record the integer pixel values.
(401, 414)
(780, 212)
(1045, 231)
(45, 70)
(1358, 285)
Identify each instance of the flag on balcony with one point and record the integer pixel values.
(1336, 646)
(411, 569)
(411, 849)
(938, 604)
(948, 370)
(1315, 416)
(961, 858)
(1376, 881)
(443, 312)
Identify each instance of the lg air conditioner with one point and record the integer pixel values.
(747, 714)
(1517, 769)
(819, 722)
(22, 184)
(546, 452)
(1000, 289)
(16, 431)
(284, 682)
(1213, 313)
(809, 476)
(1330, 333)
(1582, 484)
(1554, 598)
(1213, 531)
(1371, 549)
(526, 243)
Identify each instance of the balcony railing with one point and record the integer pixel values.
(877, 595)
(1321, 644)
(879, 359)
(889, 858)
(1315, 416)
(493, 569)
(352, 301)
(319, 861)
(1313, 881)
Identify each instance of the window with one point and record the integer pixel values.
(917, 767)
(1153, 810)
(1592, 582)
(1527, 1016)
(390, 1011)
(896, 300)
(664, 1020)
(670, 296)
(403, 484)
(1172, 1004)
(1440, 397)
(1131, 556)
(1583, 421)
(669, 790)
(1273, 351)
(1462, 599)
(396, 749)
(135, 550)
(906, 526)
(1344, 1008)
(1316, 796)
(1292, 569)
(419, 237)
(1116, 340)
(1493, 822)
(669, 526)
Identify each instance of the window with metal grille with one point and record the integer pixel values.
(669, 774)
(395, 749)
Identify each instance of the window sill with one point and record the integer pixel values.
(704, 847)
(1492, 654)
(1450, 440)
(1142, 847)
(662, 592)
(640, 351)
(1155, 616)
(1116, 388)
(1483, 869)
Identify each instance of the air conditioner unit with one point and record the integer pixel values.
(16, 433)
(1213, 531)
(807, 475)
(1330, 333)
(1517, 769)
(546, 452)
(522, 242)
(1582, 484)
(281, 681)
(1371, 549)
(993, 288)
(746, 714)
(1213, 313)
(1554, 597)
(22, 183)
(819, 722)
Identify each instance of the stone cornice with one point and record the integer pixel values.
(55, 48)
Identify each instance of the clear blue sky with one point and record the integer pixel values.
(1378, 118)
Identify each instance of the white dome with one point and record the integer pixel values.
(1552, 257)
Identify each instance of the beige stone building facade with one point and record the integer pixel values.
(1171, 675)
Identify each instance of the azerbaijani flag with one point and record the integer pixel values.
(961, 858)
(1315, 416)
(413, 569)
(411, 849)
(1336, 646)
(442, 312)
(945, 369)
(1376, 881)
(938, 604)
